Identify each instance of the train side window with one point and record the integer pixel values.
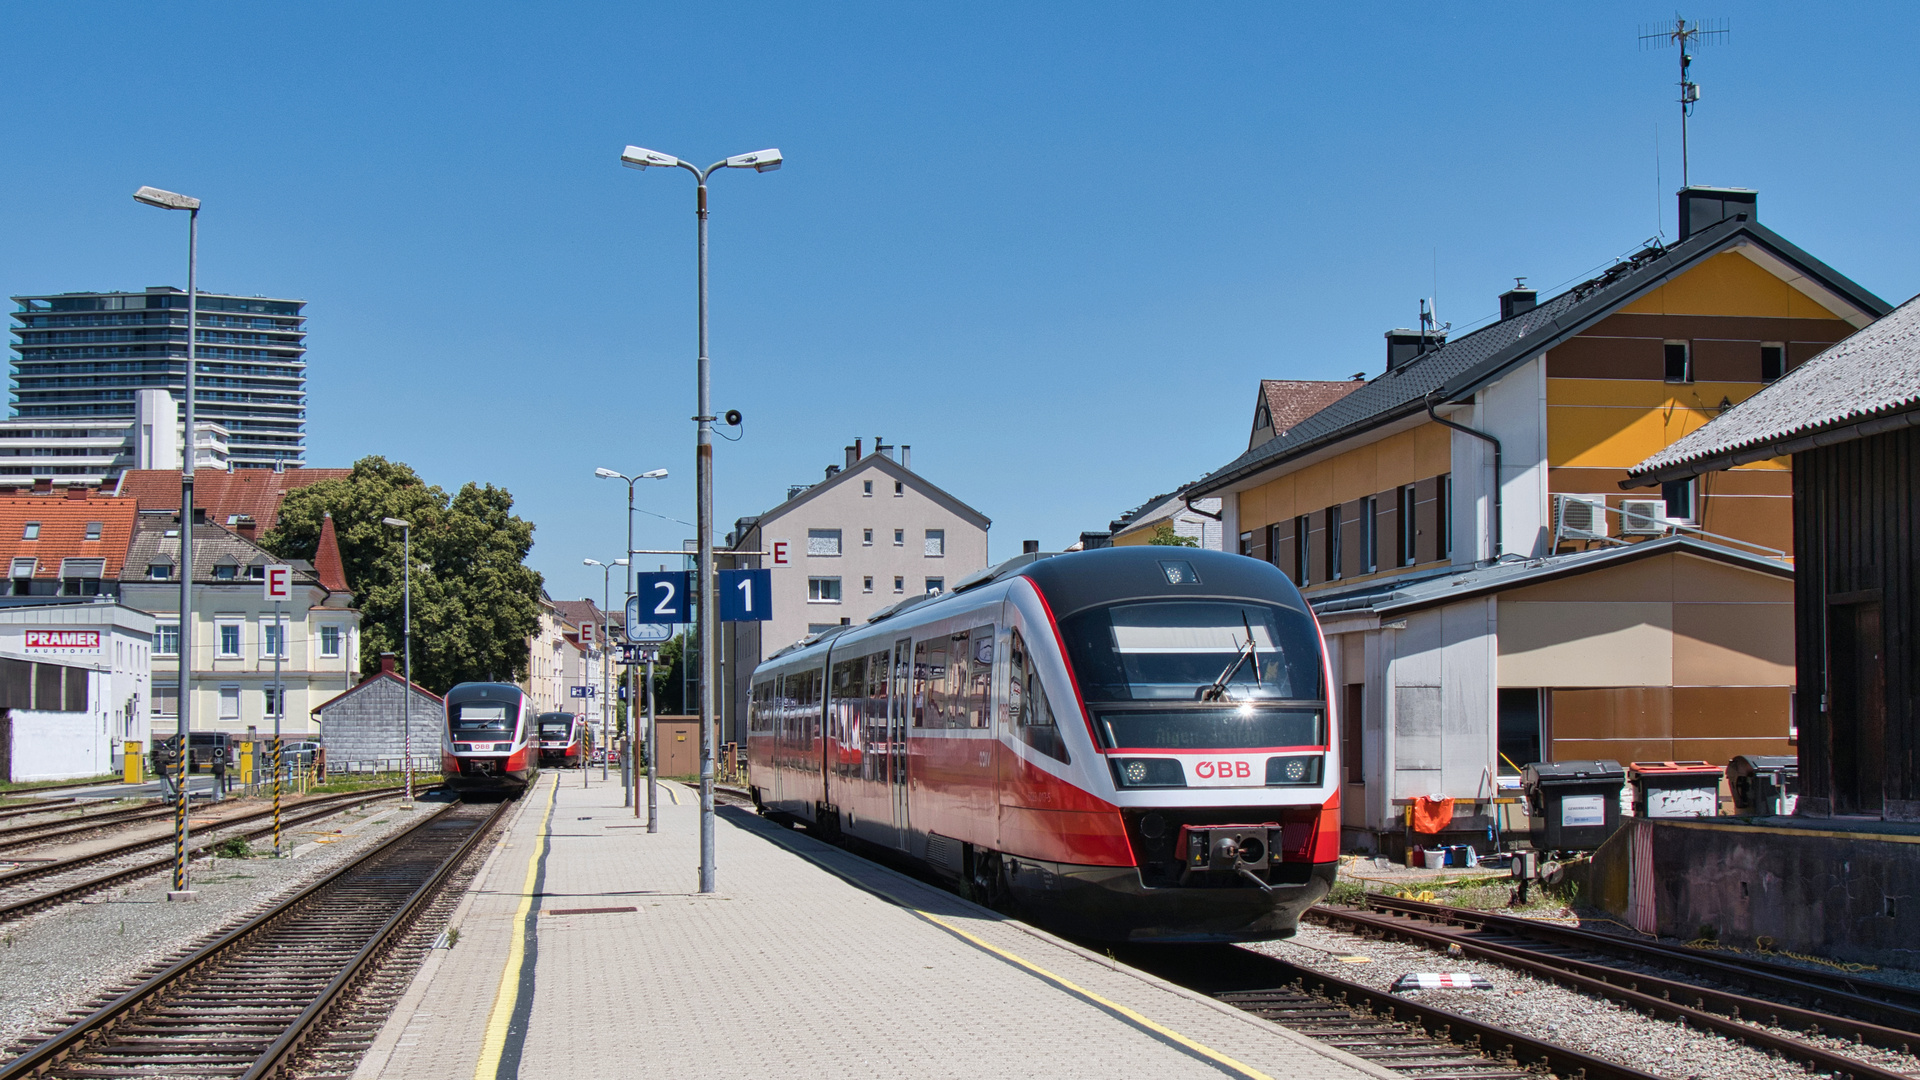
(874, 762)
(929, 681)
(849, 694)
(1032, 717)
(979, 690)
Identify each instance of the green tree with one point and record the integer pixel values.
(475, 601)
(1164, 536)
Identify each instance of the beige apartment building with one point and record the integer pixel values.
(871, 534)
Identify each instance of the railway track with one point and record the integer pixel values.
(39, 832)
(69, 879)
(1575, 959)
(1417, 1040)
(46, 807)
(247, 1004)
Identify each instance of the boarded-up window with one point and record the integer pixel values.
(48, 695)
(16, 684)
(75, 689)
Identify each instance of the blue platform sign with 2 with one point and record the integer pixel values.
(746, 595)
(660, 602)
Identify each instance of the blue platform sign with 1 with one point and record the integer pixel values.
(746, 595)
(660, 602)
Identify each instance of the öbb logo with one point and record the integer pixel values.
(1224, 770)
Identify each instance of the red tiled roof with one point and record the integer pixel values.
(255, 493)
(327, 564)
(63, 522)
(1290, 401)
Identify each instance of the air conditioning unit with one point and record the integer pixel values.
(1582, 517)
(1643, 517)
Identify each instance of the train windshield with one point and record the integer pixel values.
(556, 727)
(482, 717)
(1178, 650)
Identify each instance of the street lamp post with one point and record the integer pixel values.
(167, 200)
(635, 157)
(606, 584)
(406, 635)
(633, 689)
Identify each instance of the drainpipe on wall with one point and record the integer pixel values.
(1498, 549)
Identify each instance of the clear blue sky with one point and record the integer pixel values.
(1052, 246)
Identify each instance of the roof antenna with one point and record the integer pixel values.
(1688, 36)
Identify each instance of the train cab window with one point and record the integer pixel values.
(481, 719)
(1027, 707)
(1189, 675)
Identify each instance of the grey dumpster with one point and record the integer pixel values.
(1575, 805)
(1764, 785)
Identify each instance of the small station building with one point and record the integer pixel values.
(74, 687)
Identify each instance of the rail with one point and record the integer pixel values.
(268, 938)
(1650, 994)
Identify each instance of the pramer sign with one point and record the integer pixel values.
(63, 639)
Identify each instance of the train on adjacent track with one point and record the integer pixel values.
(490, 741)
(563, 739)
(1122, 744)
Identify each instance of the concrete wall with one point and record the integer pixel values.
(1840, 894)
(367, 725)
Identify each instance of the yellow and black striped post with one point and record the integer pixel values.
(180, 826)
(276, 795)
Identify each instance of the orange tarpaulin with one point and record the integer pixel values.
(1431, 814)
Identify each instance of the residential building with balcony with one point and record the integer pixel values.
(86, 355)
(99, 451)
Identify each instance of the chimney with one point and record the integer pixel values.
(1029, 547)
(1518, 300)
(881, 448)
(42, 485)
(832, 471)
(857, 454)
(1701, 208)
(246, 526)
(77, 493)
(906, 456)
(1405, 345)
(853, 453)
(386, 663)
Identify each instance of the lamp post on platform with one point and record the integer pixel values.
(633, 690)
(606, 584)
(167, 200)
(406, 635)
(635, 157)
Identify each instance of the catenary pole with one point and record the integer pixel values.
(279, 711)
(168, 200)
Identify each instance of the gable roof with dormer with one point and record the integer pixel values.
(1456, 370)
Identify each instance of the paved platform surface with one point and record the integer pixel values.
(810, 962)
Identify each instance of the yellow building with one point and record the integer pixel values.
(1493, 597)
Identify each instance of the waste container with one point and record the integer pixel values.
(1574, 805)
(1675, 789)
(1764, 785)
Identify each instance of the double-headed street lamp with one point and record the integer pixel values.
(635, 157)
(167, 200)
(606, 614)
(406, 633)
(633, 688)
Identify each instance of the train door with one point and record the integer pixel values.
(899, 717)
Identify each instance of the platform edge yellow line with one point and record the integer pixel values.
(507, 996)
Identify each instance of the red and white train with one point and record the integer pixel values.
(563, 739)
(491, 741)
(1125, 744)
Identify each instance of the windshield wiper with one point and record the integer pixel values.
(1218, 691)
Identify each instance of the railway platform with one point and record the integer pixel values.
(584, 950)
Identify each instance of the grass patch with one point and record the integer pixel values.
(1347, 893)
(36, 785)
(234, 847)
(363, 781)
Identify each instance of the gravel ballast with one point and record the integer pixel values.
(58, 961)
(1526, 1004)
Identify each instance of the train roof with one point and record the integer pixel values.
(478, 691)
(1072, 582)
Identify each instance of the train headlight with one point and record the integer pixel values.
(1300, 770)
(1148, 772)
